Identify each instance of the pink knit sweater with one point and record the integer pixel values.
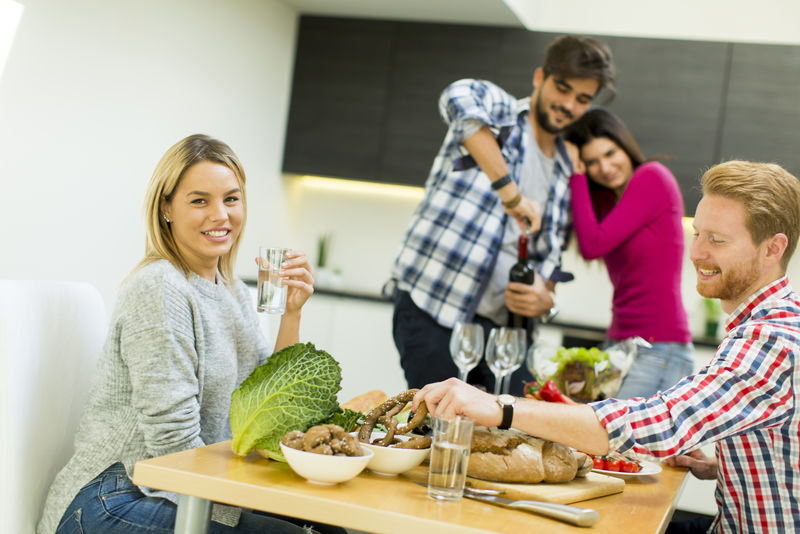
(640, 238)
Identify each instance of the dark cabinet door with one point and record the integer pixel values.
(365, 96)
(520, 53)
(671, 95)
(427, 58)
(762, 120)
(339, 97)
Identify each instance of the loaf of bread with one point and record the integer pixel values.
(513, 456)
(366, 401)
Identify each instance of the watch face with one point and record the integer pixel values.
(505, 399)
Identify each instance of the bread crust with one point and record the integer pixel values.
(366, 401)
(513, 456)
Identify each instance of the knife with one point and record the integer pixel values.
(582, 517)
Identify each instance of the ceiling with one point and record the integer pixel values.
(768, 21)
(488, 12)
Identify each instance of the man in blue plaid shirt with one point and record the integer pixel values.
(501, 162)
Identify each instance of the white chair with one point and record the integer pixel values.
(51, 334)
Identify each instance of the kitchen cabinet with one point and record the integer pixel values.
(671, 95)
(339, 94)
(365, 93)
(763, 105)
(426, 59)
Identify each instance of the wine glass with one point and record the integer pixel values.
(502, 351)
(517, 362)
(466, 347)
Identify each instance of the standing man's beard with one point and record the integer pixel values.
(544, 121)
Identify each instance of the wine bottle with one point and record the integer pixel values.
(523, 272)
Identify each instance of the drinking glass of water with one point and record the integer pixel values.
(466, 347)
(271, 291)
(449, 458)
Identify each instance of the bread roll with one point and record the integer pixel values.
(513, 456)
(366, 401)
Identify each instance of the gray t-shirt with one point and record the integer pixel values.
(176, 349)
(535, 182)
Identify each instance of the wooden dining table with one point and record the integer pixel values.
(381, 504)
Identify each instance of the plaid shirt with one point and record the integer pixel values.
(744, 401)
(456, 232)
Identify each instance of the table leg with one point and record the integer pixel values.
(193, 515)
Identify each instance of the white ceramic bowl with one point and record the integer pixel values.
(324, 469)
(391, 461)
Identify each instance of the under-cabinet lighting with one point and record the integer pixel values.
(339, 185)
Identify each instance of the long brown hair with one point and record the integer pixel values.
(600, 122)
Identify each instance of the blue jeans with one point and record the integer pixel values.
(657, 369)
(112, 504)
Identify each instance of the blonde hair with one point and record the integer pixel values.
(769, 193)
(160, 244)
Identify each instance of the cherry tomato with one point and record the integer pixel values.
(599, 462)
(627, 467)
(612, 465)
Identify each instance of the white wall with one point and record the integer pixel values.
(94, 92)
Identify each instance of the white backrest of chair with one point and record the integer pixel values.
(51, 334)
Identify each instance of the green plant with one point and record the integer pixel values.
(323, 246)
(712, 308)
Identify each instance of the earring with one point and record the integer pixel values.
(166, 219)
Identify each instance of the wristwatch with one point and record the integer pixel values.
(506, 402)
(553, 310)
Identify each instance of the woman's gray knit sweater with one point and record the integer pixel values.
(176, 350)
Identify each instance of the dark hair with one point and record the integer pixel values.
(600, 122)
(579, 56)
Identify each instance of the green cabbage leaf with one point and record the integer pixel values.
(295, 389)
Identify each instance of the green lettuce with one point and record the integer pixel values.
(295, 389)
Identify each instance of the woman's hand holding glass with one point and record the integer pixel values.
(296, 273)
(466, 347)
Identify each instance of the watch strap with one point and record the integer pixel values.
(508, 416)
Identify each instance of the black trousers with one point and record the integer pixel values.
(696, 525)
(424, 347)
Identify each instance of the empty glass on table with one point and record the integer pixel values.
(504, 350)
(505, 379)
(466, 347)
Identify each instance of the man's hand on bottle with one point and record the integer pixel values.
(528, 300)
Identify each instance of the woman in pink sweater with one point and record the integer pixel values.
(628, 212)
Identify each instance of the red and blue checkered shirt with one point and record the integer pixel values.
(744, 401)
(456, 232)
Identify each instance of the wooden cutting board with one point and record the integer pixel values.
(580, 489)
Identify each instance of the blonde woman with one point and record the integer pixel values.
(182, 337)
